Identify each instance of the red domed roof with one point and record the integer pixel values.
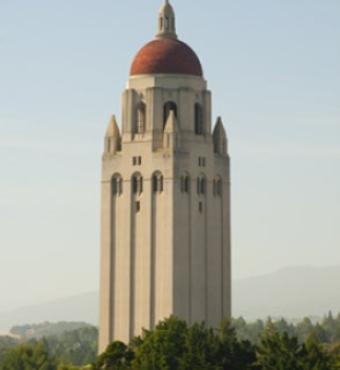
(166, 55)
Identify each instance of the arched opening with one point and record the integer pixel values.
(169, 106)
(198, 119)
(137, 184)
(201, 185)
(157, 182)
(185, 184)
(217, 187)
(117, 185)
(141, 118)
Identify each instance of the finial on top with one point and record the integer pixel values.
(167, 22)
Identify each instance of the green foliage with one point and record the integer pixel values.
(77, 347)
(117, 356)
(29, 357)
(234, 354)
(283, 352)
(334, 351)
(326, 331)
(279, 351)
(173, 345)
(6, 343)
(161, 348)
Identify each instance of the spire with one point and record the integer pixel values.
(112, 137)
(220, 138)
(112, 128)
(167, 22)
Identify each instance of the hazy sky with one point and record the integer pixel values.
(274, 69)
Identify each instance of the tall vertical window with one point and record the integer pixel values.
(169, 106)
(198, 119)
(141, 118)
(137, 184)
(201, 185)
(157, 183)
(185, 184)
(217, 187)
(117, 185)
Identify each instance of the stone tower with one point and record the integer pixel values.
(165, 226)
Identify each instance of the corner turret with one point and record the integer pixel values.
(112, 137)
(220, 138)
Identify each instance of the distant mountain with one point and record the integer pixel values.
(83, 307)
(293, 293)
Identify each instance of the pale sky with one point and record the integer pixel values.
(274, 69)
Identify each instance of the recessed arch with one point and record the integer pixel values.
(202, 184)
(157, 182)
(116, 185)
(137, 183)
(168, 107)
(198, 114)
(185, 183)
(217, 186)
(140, 117)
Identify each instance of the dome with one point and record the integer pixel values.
(168, 56)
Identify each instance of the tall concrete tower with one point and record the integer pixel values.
(165, 226)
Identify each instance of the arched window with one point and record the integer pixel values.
(201, 185)
(217, 187)
(185, 184)
(116, 185)
(141, 118)
(169, 106)
(157, 182)
(137, 184)
(198, 119)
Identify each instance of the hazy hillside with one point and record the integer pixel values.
(46, 329)
(293, 293)
(83, 308)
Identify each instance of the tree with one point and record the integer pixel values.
(173, 345)
(34, 356)
(200, 349)
(234, 354)
(279, 351)
(316, 357)
(116, 357)
(161, 348)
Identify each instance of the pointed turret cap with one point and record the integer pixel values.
(171, 123)
(219, 130)
(220, 138)
(112, 129)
